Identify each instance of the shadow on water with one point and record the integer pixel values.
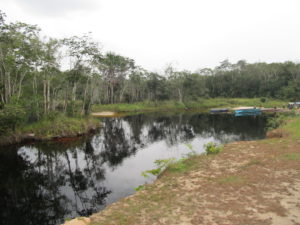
(45, 183)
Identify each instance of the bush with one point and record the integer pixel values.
(276, 121)
(53, 115)
(212, 148)
(263, 99)
(161, 165)
(11, 117)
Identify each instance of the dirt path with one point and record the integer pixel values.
(249, 183)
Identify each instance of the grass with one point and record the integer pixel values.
(293, 127)
(232, 179)
(46, 129)
(253, 162)
(139, 106)
(201, 104)
(181, 165)
(60, 126)
(292, 156)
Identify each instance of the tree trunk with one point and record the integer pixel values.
(74, 92)
(20, 85)
(45, 96)
(179, 95)
(48, 95)
(85, 97)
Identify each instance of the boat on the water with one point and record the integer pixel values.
(247, 111)
(219, 110)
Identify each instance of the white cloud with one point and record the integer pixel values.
(194, 33)
(55, 7)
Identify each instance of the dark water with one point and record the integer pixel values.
(45, 183)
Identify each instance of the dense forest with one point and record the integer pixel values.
(41, 76)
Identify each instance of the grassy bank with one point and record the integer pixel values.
(203, 104)
(211, 189)
(47, 129)
(292, 127)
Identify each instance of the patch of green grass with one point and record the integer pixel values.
(161, 165)
(181, 165)
(139, 188)
(253, 162)
(292, 156)
(232, 179)
(60, 126)
(200, 104)
(293, 127)
(139, 106)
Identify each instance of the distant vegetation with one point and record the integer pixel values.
(199, 104)
(39, 76)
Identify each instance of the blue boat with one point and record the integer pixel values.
(247, 111)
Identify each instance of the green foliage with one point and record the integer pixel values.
(276, 121)
(192, 151)
(52, 116)
(161, 164)
(139, 188)
(212, 148)
(32, 79)
(190, 146)
(263, 99)
(60, 125)
(11, 117)
(232, 179)
(140, 106)
(293, 127)
(180, 166)
(292, 156)
(201, 103)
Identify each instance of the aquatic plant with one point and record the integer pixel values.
(161, 165)
(212, 148)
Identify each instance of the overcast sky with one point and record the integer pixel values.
(190, 34)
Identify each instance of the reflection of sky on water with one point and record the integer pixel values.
(83, 176)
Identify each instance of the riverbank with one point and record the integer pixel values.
(200, 105)
(249, 182)
(57, 128)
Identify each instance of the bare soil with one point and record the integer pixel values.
(248, 183)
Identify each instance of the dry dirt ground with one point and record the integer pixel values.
(248, 183)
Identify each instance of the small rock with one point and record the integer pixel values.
(78, 221)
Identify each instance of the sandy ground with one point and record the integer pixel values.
(249, 183)
(104, 114)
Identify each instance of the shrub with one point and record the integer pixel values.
(276, 121)
(263, 99)
(161, 165)
(212, 148)
(139, 188)
(10, 117)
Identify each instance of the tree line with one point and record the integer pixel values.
(39, 76)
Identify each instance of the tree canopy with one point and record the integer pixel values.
(43, 75)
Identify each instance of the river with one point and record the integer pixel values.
(46, 183)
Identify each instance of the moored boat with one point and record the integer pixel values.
(247, 111)
(219, 110)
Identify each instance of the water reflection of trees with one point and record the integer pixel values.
(44, 183)
(183, 127)
(36, 189)
(117, 143)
